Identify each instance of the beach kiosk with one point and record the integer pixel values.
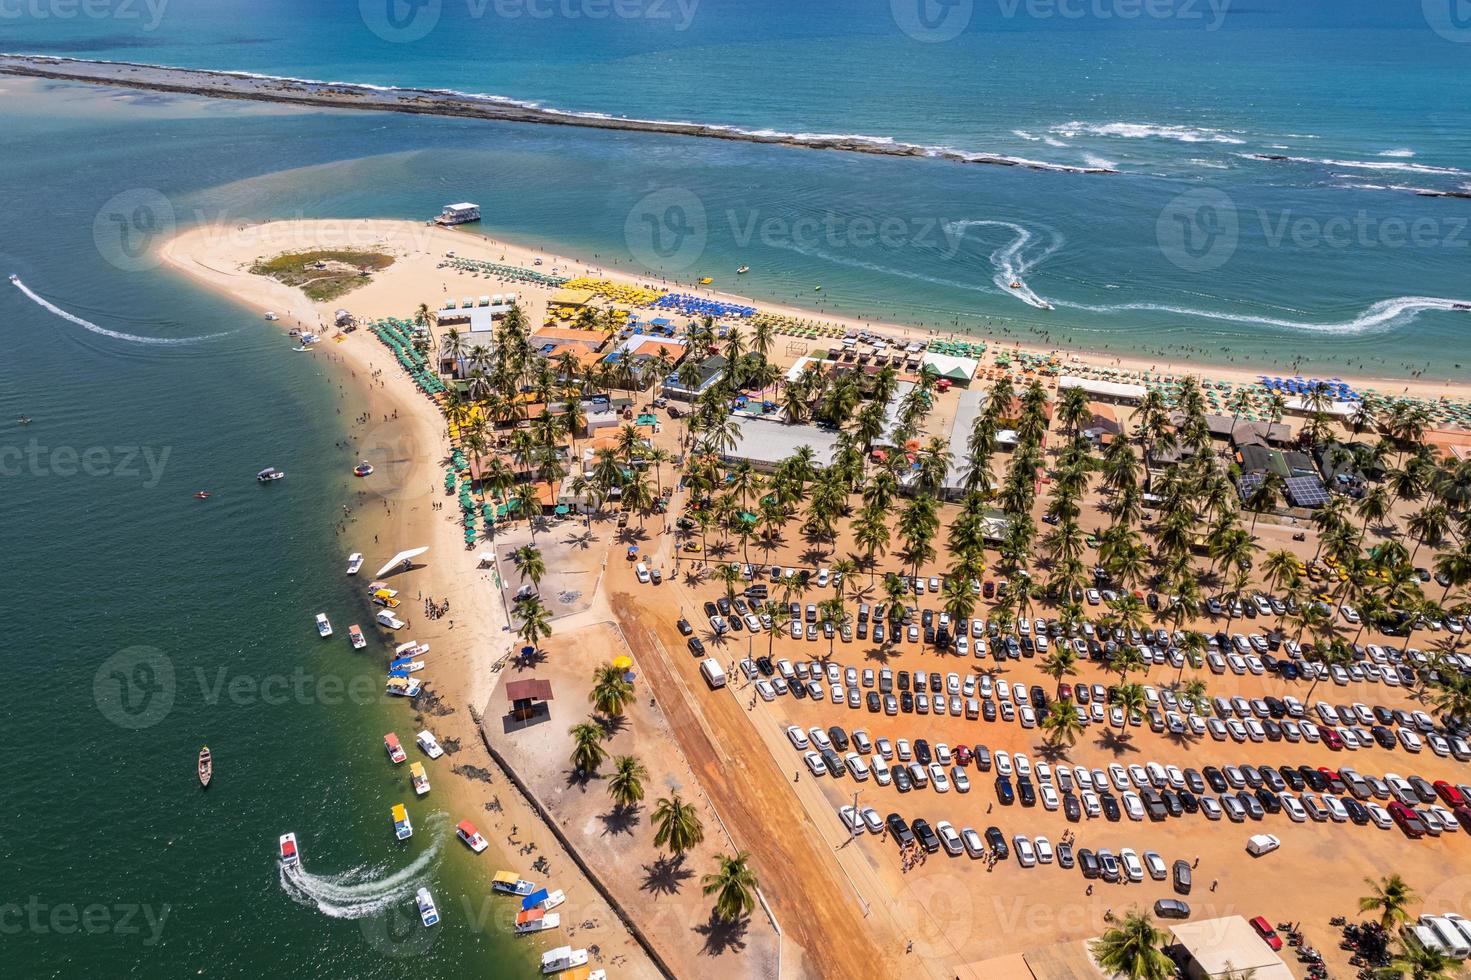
(524, 695)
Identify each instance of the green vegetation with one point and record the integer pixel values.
(323, 275)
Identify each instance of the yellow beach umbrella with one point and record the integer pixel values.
(623, 663)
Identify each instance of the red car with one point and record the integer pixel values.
(1332, 739)
(1065, 692)
(1335, 781)
(962, 755)
(1269, 935)
(1408, 820)
(1449, 793)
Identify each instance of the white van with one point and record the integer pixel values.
(1260, 844)
(713, 673)
(1451, 939)
(642, 571)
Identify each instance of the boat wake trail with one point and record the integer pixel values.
(1008, 261)
(1377, 318)
(360, 892)
(94, 328)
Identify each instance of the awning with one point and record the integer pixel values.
(534, 899)
(533, 689)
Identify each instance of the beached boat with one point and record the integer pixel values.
(402, 828)
(354, 563)
(404, 687)
(387, 618)
(271, 316)
(429, 744)
(428, 914)
(413, 648)
(356, 637)
(270, 475)
(396, 753)
(206, 767)
(404, 667)
(535, 920)
(289, 853)
(385, 597)
(562, 958)
(419, 779)
(364, 468)
(466, 832)
(507, 883)
(553, 899)
(375, 587)
(324, 625)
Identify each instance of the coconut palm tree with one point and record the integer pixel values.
(535, 622)
(1133, 947)
(1130, 698)
(587, 747)
(1061, 662)
(610, 692)
(1391, 898)
(626, 784)
(1421, 963)
(677, 825)
(530, 564)
(1061, 725)
(734, 887)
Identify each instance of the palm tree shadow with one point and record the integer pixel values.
(1051, 752)
(620, 820)
(723, 937)
(666, 875)
(610, 724)
(581, 540)
(580, 779)
(529, 661)
(1110, 740)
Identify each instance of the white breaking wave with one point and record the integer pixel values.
(1383, 165)
(1122, 130)
(362, 891)
(115, 334)
(1097, 161)
(1402, 154)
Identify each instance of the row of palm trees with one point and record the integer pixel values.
(677, 824)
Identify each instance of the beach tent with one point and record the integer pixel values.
(404, 558)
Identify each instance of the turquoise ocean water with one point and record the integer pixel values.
(120, 577)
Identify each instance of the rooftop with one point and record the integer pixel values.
(767, 441)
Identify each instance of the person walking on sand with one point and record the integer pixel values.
(1214, 883)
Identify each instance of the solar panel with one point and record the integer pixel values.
(1249, 484)
(1306, 491)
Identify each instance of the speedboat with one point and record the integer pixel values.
(396, 753)
(355, 637)
(429, 744)
(562, 958)
(402, 828)
(743, 270)
(404, 687)
(364, 468)
(418, 778)
(354, 563)
(466, 832)
(269, 475)
(1016, 284)
(535, 920)
(507, 883)
(289, 854)
(324, 626)
(387, 618)
(201, 494)
(206, 767)
(1461, 306)
(427, 912)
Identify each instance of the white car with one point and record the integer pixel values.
(1025, 856)
(1091, 805)
(1022, 763)
(797, 736)
(974, 846)
(852, 819)
(884, 748)
(856, 766)
(1044, 850)
(1132, 805)
(815, 763)
(1292, 808)
(880, 769)
(938, 778)
(819, 738)
(949, 838)
(1049, 796)
(1130, 861)
(764, 688)
(872, 820)
(1003, 764)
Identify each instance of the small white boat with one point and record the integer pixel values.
(418, 778)
(396, 753)
(271, 316)
(562, 958)
(428, 914)
(404, 687)
(466, 832)
(535, 920)
(743, 270)
(324, 626)
(354, 563)
(356, 637)
(429, 744)
(270, 475)
(402, 828)
(555, 898)
(387, 618)
(413, 648)
(289, 853)
(507, 883)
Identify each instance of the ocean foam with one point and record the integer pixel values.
(1122, 130)
(360, 892)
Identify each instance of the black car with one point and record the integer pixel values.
(1217, 781)
(1275, 706)
(899, 830)
(685, 629)
(1110, 807)
(1154, 806)
(1253, 806)
(1171, 908)
(835, 767)
(928, 839)
(1088, 863)
(927, 618)
(711, 610)
(724, 604)
(1383, 736)
(1172, 803)
(1315, 779)
(1268, 800)
(1071, 808)
(736, 624)
(997, 841)
(1189, 801)
(764, 664)
(1253, 776)
(799, 690)
(1065, 855)
(902, 782)
(1194, 781)
(1003, 791)
(903, 680)
(1293, 779)
(1026, 791)
(839, 737)
(906, 703)
(988, 710)
(1039, 699)
(929, 635)
(696, 647)
(922, 752)
(937, 683)
(983, 758)
(1422, 789)
(1273, 730)
(873, 702)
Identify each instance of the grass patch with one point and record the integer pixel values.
(323, 275)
